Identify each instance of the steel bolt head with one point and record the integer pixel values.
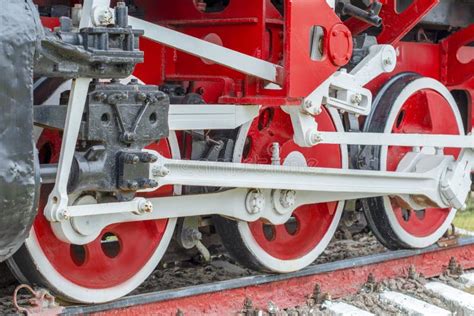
(316, 138)
(146, 207)
(133, 185)
(356, 98)
(131, 159)
(288, 198)
(100, 96)
(141, 96)
(63, 214)
(255, 202)
(160, 171)
(153, 183)
(128, 137)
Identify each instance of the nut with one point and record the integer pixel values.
(160, 171)
(288, 198)
(356, 98)
(145, 207)
(255, 202)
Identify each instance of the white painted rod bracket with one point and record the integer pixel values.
(197, 47)
(209, 116)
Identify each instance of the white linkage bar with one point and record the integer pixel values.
(56, 208)
(194, 46)
(409, 140)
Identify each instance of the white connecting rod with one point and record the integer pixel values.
(261, 191)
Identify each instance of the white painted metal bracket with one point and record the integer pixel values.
(197, 47)
(56, 208)
(344, 91)
(210, 116)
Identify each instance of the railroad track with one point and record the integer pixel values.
(338, 284)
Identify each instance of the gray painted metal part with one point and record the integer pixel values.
(20, 29)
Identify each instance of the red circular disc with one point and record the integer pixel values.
(309, 223)
(425, 112)
(340, 45)
(117, 254)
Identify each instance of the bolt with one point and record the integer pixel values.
(160, 96)
(193, 234)
(141, 96)
(356, 98)
(145, 207)
(147, 157)
(255, 202)
(128, 137)
(100, 96)
(131, 159)
(308, 104)
(160, 171)
(316, 138)
(151, 98)
(115, 98)
(152, 183)
(387, 61)
(133, 185)
(287, 198)
(148, 183)
(63, 214)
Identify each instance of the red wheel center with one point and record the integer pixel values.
(309, 223)
(121, 250)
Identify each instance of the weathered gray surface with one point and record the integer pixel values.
(19, 30)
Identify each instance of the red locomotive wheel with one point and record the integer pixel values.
(297, 243)
(410, 104)
(109, 267)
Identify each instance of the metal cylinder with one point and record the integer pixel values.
(48, 173)
(121, 14)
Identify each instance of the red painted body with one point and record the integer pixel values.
(256, 28)
(295, 291)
